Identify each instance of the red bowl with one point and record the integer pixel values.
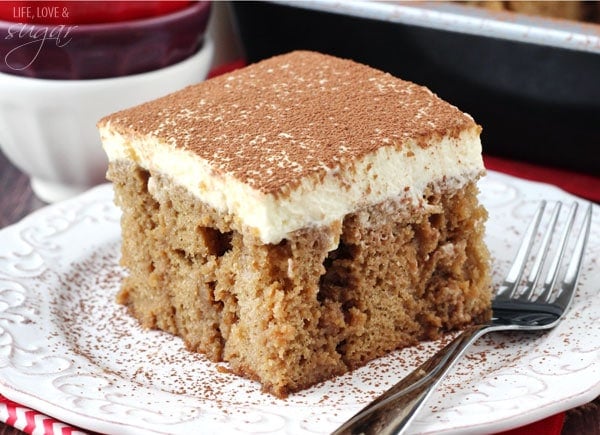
(93, 51)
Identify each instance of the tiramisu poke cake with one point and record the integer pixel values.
(299, 217)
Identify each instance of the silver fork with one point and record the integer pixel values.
(516, 306)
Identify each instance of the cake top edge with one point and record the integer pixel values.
(292, 116)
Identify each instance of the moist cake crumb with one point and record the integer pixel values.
(300, 217)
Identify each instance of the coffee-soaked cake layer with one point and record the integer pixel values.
(317, 304)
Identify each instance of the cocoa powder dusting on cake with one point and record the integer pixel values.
(292, 116)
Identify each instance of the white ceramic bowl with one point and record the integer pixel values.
(48, 127)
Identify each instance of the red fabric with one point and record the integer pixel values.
(228, 67)
(583, 185)
(11, 408)
(49, 427)
(12, 414)
(549, 426)
(30, 419)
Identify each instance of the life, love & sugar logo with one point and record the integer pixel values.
(26, 40)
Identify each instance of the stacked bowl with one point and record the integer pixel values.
(64, 65)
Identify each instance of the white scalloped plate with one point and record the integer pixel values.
(68, 350)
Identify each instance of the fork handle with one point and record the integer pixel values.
(391, 412)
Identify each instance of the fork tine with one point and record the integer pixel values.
(572, 274)
(540, 258)
(511, 282)
(552, 274)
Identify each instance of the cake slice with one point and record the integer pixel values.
(300, 217)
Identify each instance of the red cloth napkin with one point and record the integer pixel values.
(31, 421)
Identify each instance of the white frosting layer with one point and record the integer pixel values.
(386, 173)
